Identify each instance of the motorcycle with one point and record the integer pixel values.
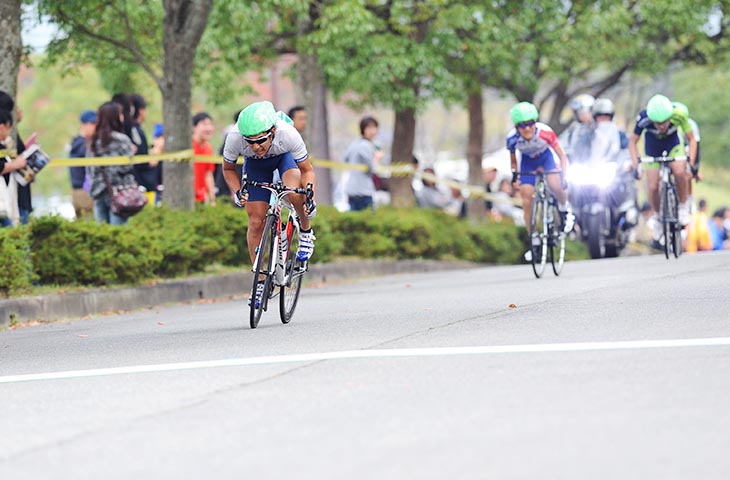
(603, 196)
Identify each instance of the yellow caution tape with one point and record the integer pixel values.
(392, 170)
(339, 165)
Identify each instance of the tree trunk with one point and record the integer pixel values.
(560, 98)
(313, 91)
(185, 21)
(475, 146)
(404, 134)
(11, 46)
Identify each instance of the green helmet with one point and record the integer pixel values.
(257, 118)
(681, 107)
(523, 112)
(659, 108)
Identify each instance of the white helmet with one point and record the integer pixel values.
(603, 106)
(582, 102)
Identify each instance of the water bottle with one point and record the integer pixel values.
(281, 258)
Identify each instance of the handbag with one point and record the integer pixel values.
(9, 200)
(126, 199)
(4, 199)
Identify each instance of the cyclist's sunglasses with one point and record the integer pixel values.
(260, 140)
(526, 124)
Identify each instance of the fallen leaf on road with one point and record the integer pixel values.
(512, 305)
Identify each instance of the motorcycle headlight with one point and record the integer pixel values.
(600, 175)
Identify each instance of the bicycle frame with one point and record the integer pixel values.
(271, 260)
(668, 202)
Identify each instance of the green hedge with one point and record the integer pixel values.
(162, 243)
(16, 270)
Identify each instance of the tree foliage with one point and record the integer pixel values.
(399, 53)
(121, 37)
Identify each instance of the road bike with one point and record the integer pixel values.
(276, 271)
(668, 203)
(547, 239)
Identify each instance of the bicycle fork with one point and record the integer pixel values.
(282, 247)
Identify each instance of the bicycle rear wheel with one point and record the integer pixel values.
(557, 241)
(262, 273)
(537, 231)
(289, 295)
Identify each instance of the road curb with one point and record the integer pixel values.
(59, 306)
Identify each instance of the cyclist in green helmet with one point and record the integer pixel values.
(269, 143)
(664, 128)
(536, 143)
(695, 172)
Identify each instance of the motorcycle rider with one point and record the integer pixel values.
(606, 141)
(577, 137)
(608, 144)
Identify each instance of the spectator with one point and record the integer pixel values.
(359, 186)
(698, 232)
(125, 103)
(505, 203)
(109, 140)
(25, 206)
(490, 175)
(298, 116)
(220, 182)
(457, 205)
(82, 202)
(718, 234)
(157, 148)
(203, 177)
(158, 140)
(430, 196)
(8, 186)
(148, 174)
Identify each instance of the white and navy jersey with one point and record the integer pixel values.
(644, 123)
(543, 139)
(286, 139)
(655, 142)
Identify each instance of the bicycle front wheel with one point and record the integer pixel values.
(538, 239)
(557, 241)
(294, 271)
(675, 231)
(262, 273)
(666, 218)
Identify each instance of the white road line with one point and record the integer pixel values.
(382, 353)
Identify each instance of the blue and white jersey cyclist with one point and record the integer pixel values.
(268, 143)
(536, 142)
(664, 128)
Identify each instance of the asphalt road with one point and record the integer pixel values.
(618, 369)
